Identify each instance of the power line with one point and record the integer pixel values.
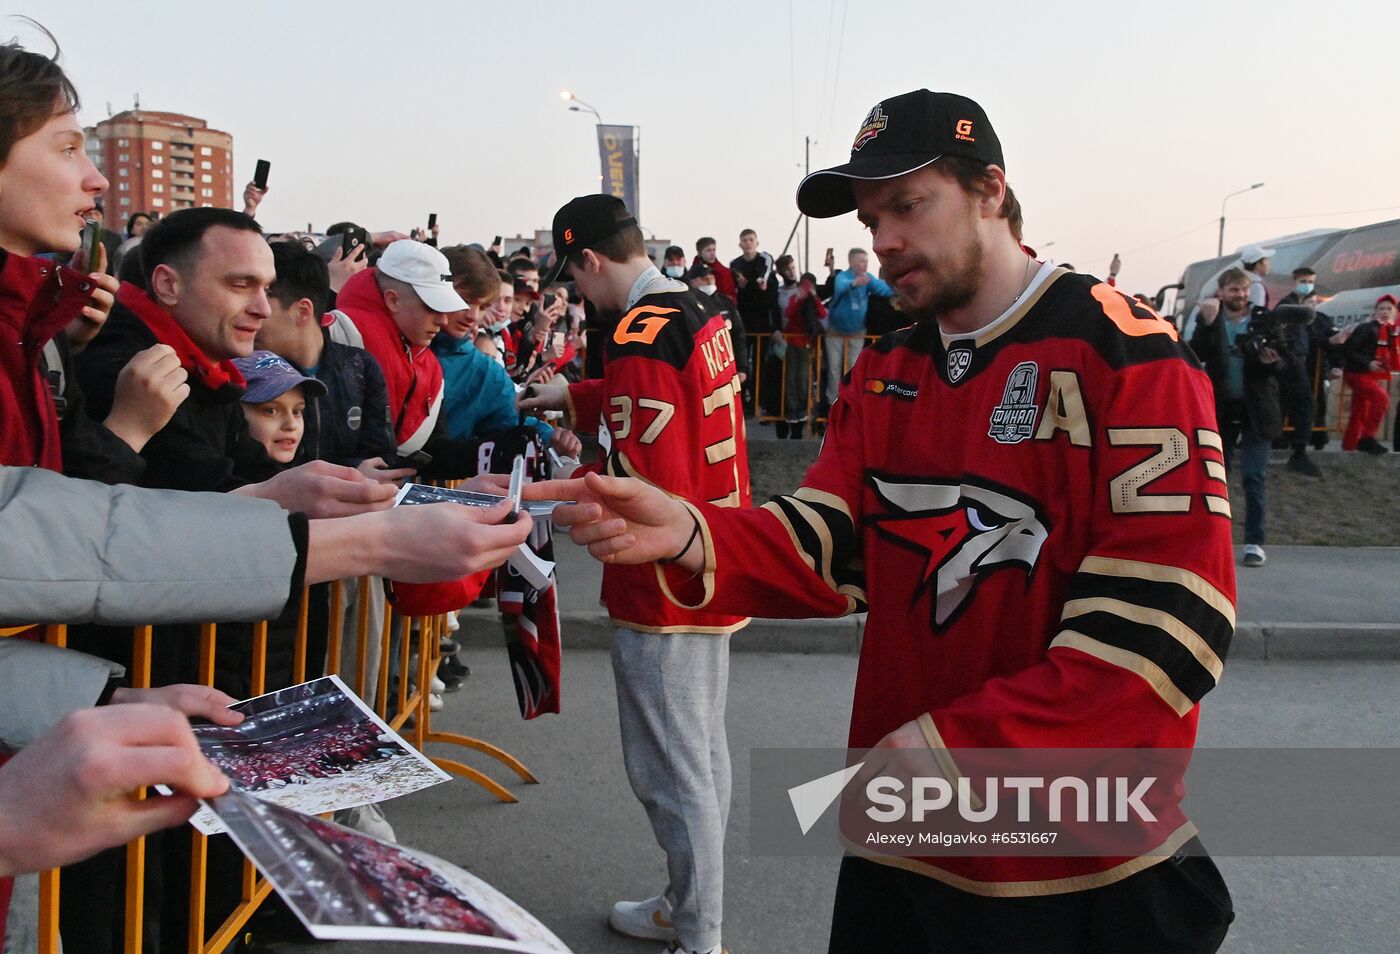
(826, 63)
(1170, 238)
(1314, 215)
(836, 78)
(792, 77)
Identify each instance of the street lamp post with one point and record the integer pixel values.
(1220, 245)
(580, 106)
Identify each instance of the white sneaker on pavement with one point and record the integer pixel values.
(675, 948)
(434, 702)
(437, 685)
(1254, 555)
(649, 920)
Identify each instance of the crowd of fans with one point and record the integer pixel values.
(319, 752)
(403, 892)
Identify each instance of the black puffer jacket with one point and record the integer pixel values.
(206, 444)
(351, 422)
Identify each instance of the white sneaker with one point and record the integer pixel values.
(1254, 555)
(437, 686)
(675, 948)
(452, 624)
(434, 702)
(649, 920)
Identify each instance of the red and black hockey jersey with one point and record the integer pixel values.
(667, 411)
(1037, 521)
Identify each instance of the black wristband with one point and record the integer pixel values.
(685, 549)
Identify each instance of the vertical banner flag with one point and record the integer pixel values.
(618, 154)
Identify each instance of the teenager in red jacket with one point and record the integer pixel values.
(1371, 354)
(803, 320)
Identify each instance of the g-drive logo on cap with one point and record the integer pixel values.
(899, 136)
(426, 269)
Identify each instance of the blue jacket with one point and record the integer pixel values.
(849, 302)
(478, 396)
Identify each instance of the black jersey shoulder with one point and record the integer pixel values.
(661, 326)
(920, 337)
(1121, 330)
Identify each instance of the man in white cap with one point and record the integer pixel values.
(1255, 260)
(398, 307)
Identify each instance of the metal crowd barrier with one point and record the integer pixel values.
(409, 705)
(763, 366)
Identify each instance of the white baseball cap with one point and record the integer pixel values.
(1250, 254)
(426, 269)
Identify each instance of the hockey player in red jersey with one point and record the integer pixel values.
(1025, 488)
(666, 412)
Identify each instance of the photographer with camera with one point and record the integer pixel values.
(1242, 364)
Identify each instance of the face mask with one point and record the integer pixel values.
(498, 326)
(1304, 289)
(707, 289)
(674, 271)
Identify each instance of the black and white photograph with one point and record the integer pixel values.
(344, 885)
(315, 747)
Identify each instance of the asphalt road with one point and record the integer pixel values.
(579, 841)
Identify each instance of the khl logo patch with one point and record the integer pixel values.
(959, 360)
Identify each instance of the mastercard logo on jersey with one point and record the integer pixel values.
(895, 389)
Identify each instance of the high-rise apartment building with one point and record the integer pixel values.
(159, 162)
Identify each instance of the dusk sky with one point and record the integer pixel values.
(1123, 124)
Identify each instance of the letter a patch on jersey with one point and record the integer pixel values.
(1013, 420)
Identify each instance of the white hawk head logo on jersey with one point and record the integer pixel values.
(964, 530)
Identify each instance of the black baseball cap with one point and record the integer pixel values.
(582, 223)
(897, 137)
(698, 270)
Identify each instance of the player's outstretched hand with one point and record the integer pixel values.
(620, 520)
(320, 489)
(202, 702)
(543, 397)
(68, 795)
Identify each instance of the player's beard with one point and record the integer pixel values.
(952, 281)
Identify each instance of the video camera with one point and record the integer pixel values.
(1268, 329)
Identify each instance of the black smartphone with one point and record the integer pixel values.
(348, 242)
(496, 241)
(432, 220)
(260, 173)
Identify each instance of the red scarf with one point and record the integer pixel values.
(213, 375)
